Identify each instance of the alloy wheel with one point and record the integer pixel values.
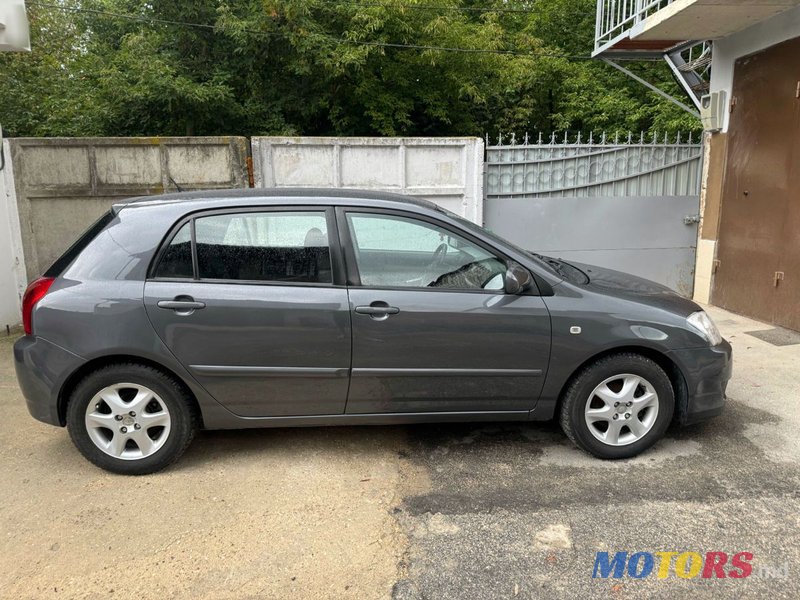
(128, 421)
(621, 410)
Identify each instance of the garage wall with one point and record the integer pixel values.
(447, 171)
(64, 184)
(12, 262)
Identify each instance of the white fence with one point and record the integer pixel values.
(12, 263)
(447, 171)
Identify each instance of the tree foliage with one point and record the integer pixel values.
(322, 67)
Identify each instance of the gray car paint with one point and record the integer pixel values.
(96, 311)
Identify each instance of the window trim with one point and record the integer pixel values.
(335, 247)
(354, 277)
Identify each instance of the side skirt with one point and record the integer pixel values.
(235, 422)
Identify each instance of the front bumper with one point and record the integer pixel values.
(707, 372)
(42, 368)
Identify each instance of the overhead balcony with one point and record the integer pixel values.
(631, 28)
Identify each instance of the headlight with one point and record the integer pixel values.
(705, 326)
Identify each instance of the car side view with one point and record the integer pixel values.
(282, 308)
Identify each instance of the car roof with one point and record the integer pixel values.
(307, 196)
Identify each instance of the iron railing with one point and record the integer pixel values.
(616, 17)
(580, 165)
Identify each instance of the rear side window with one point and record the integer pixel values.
(253, 246)
(269, 246)
(73, 251)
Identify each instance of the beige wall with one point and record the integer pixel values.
(716, 147)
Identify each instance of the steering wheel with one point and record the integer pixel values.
(437, 260)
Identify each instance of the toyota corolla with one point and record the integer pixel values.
(284, 308)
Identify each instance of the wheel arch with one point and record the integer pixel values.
(670, 367)
(103, 361)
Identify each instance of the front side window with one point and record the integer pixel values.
(268, 246)
(394, 251)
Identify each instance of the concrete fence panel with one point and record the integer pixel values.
(447, 171)
(64, 184)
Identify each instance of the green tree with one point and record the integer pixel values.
(322, 67)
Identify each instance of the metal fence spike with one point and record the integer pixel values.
(540, 137)
(526, 138)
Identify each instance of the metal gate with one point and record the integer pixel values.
(758, 272)
(629, 202)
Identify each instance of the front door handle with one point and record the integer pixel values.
(377, 310)
(181, 304)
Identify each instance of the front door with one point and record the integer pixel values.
(251, 310)
(433, 330)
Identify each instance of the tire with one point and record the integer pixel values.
(100, 410)
(603, 399)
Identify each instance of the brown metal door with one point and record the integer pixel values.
(759, 232)
(787, 301)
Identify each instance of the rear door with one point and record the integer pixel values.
(251, 303)
(433, 330)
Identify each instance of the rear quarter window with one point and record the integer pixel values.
(66, 259)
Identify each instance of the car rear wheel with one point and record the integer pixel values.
(618, 406)
(131, 419)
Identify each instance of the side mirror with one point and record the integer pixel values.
(517, 280)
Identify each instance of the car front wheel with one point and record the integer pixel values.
(618, 406)
(130, 419)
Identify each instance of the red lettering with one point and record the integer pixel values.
(714, 563)
(741, 562)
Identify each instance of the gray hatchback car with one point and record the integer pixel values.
(279, 308)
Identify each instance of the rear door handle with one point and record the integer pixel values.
(377, 310)
(181, 305)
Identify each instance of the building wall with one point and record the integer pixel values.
(775, 30)
(727, 50)
(12, 262)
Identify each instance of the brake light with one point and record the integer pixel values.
(35, 292)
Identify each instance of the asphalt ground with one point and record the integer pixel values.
(412, 512)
